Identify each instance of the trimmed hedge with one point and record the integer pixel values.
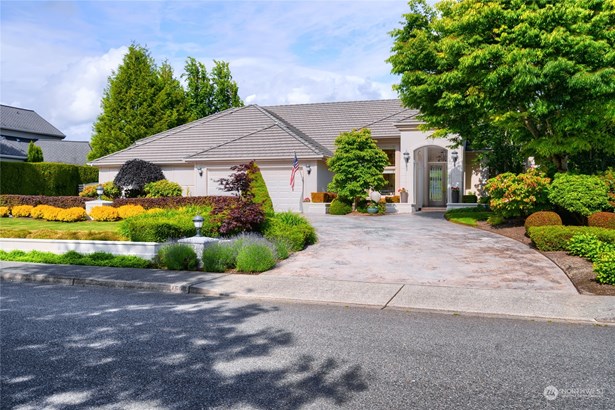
(542, 218)
(339, 207)
(469, 199)
(259, 190)
(320, 197)
(44, 178)
(35, 200)
(217, 202)
(555, 238)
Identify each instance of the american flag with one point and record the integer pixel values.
(293, 172)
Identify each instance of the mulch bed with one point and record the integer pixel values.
(578, 269)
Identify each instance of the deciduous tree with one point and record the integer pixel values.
(357, 164)
(543, 71)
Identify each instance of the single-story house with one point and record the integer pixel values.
(20, 126)
(197, 154)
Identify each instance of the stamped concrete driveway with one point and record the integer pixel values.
(421, 249)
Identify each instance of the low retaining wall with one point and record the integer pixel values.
(145, 250)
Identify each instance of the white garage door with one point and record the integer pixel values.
(213, 187)
(278, 185)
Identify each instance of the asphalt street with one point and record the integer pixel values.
(100, 348)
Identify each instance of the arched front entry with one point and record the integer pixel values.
(431, 172)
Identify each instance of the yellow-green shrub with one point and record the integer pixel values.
(154, 210)
(72, 215)
(47, 212)
(126, 211)
(104, 213)
(21, 211)
(4, 211)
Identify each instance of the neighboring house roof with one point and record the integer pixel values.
(28, 121)
(66, 152)
(254, 132)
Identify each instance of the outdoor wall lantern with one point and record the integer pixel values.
(308, 168)
(198, 224)
(200, 169)
(454, 157)
(99, 191)
(406, 158)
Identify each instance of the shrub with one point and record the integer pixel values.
(178, 257)
(128, 211)
(258, 189)
(14, 233)
(255, 257)
(162, 188)
(605, 268)
(217, 203)
(282, 248)
(469, 199)
(320, 197)
(22, 211)
(579, 194)
(542, 218)
(34, 200)
(588, 246)
(555, 238)
(169, 224)
(292, 228)
(518, 195)
(104, 214)
(608, 177)
(4, 211)
(339, 207)
(154, 210)
(53, 234)
(602, 220)
(72, 215)
(47, 212)
(240, 217)
(43, 178)
(35, 153)
(135, 174)
(110, 191)
(219, 257)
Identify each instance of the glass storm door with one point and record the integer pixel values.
(436, 184)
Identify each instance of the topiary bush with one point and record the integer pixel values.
(255, 257)
(71, 215)
(22, 211)
(605, 268)
(104, 214)
(602, 220)
(542, 218)
(258, 189)
(178, 257)
(556, 238)
(519, 195)
(579, 194)
(339, 207)
(162, 188)
(135, 174)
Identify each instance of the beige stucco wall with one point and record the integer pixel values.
(475, 176)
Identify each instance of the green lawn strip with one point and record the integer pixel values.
(467, 216)
(36, 224)
(75, 258)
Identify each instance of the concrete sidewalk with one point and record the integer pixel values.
(512, 303)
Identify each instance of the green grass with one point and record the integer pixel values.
(75, 258)
(468, 216)
(36, 224)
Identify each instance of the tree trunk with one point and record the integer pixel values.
(561, 162)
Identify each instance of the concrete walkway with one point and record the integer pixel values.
(512, 303)
(421, 249)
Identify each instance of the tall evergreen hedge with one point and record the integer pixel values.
(44, 178)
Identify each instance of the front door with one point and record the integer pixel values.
(436, 183)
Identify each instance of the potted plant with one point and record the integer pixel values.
(372, 208)
(403, 195)
(455, 194)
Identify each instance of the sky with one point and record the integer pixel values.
(56, 56)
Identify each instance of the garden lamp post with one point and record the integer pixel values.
(198, 224)
(454, 157)
(99, 191)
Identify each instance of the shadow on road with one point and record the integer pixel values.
(95, 349)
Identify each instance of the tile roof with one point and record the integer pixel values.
(13, 149)
(66, 152)
(253, 132)
(20, 119)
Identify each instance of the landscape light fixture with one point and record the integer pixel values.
(406, 158)
(308, 168)
(198, 224)
(200, 169)
(455, 157)
(99, 191)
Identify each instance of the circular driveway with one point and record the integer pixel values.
(421, 249)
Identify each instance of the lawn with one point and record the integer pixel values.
(36, 224)
(468, 216)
